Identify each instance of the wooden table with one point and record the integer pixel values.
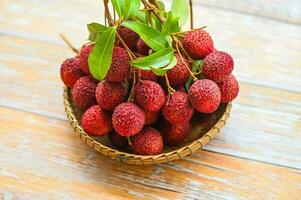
(256, 156)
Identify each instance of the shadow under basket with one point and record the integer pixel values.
(204, 128)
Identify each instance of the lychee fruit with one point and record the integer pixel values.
(148, 75)
(174, 134)
(128, 36)
(229, 89)
(83, 92)
(217, 66)
(118, 141)
(120, 68)
(83, 58)
(179, 74)
(147, 142)
(110, 94)
(128, 119)
(149, 95)
(204, 95)
(96, 122)
(71, 71)
(198, 44)
(177, 108)
(151, 117)
(142, 47)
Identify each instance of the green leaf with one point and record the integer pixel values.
(156, 22)
(161, 5)
(152, 37)
(154, 61)
(180, 9)
(119, 6)
(95, 30)
(132, 7)
(162, 71)
(100, 58)
(171, 25)
(196, 66)
(142, 16)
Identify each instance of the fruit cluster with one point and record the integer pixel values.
(142, 109)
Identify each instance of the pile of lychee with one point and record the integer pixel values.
(145, 115)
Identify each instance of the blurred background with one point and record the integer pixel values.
(262, 140)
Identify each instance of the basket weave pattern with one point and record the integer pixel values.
(141, 159)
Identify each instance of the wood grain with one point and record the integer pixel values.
(257, 155)
(57, 164)
(266, 52)
(42, 61)
(280, 10)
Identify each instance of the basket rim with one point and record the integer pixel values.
(124, 156)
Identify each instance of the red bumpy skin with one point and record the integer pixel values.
(174, 134)
(96, 122)
(204, 95)
(177, 109)
(118, 141)
(128, 119)
(217, 66)
(198, 44)
(229, 89)
(83, 92)
(129, 37)
(142, 48)
(83, 58)
(147, 142)
(179, 74)
(110, 94)
(120, 68)
(151, 117)
(149, 95)
(71, 71)
(148, 75)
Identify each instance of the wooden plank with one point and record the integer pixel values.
(276, 113)
(281, 10)
(266, 52)
(46, 157)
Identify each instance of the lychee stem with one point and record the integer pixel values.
(191, 14)
(75, 50)
(152, 8)
(133, 86)
(192, 30)
(131, 54)
(170, 89)
(108, 14)
(129, 140)
(182, 59)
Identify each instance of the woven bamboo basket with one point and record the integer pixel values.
(204, 128)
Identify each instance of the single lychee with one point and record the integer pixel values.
(179, 74)
(147, 142)
(198, 44)
(204, 95)
(96, 122)
(174, 134)
(148, 75)
(149, 95)
(177, 108)
(118, 141)
(83, 92)
(229, 89)
(217, 66)
(83, 58)
(128, 119)
(71, 71)
(120, 68)
(110, 94)
(142, 47)
(128, 36)
(151, 117)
